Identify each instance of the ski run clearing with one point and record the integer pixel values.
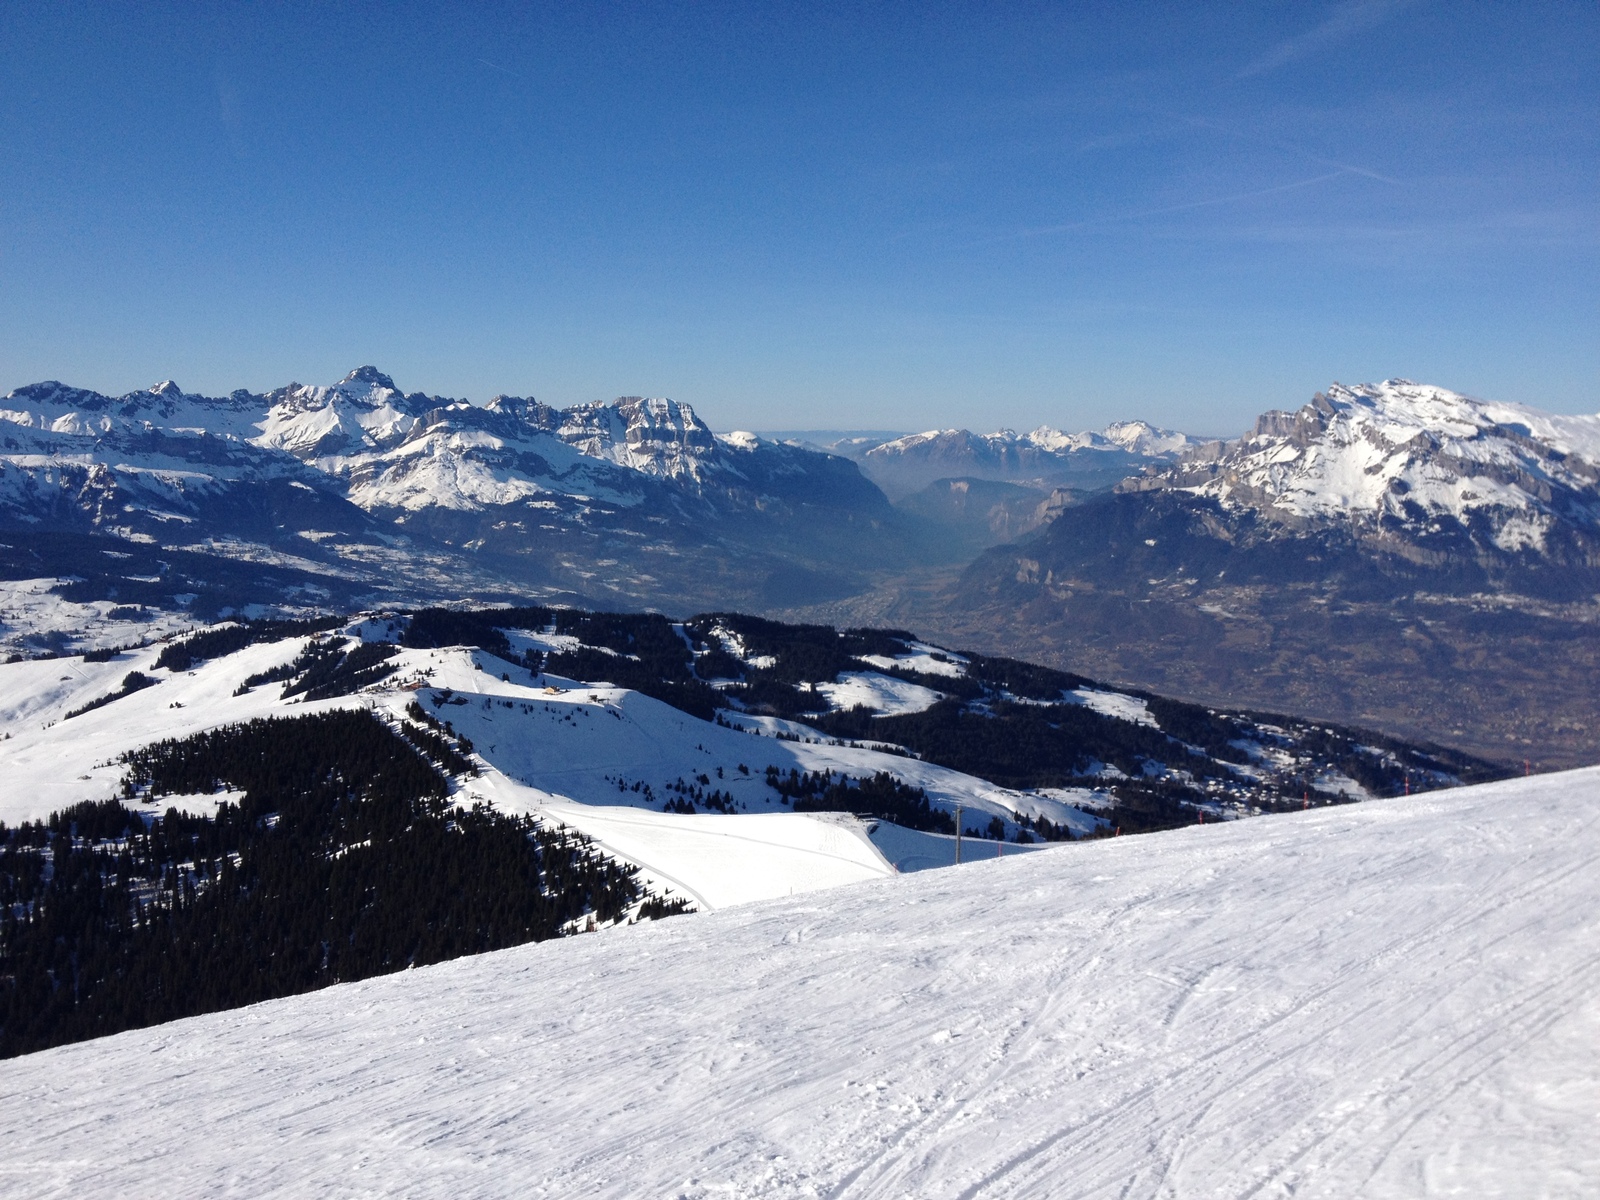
(1397, 998)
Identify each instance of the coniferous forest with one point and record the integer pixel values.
(341, 860)
(880, 795)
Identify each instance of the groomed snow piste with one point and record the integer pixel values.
(1398, 998)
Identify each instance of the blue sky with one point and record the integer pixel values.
(813, 216)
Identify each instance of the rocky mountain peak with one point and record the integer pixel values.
(655, 435)
(533, 413)
(370, 377)
(1403, 453)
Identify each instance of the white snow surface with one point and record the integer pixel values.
(923, 659)
(886, 695)
(1393, 999)
(1114, 704)
(1140, 437)
(33, 616)
(198, 803)
(719, 860)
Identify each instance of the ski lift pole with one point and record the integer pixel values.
(958, 835)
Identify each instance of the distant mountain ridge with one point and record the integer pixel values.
(1392, 554)
(364, 418)
(1044, 458)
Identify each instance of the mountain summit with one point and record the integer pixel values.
(1401, 460)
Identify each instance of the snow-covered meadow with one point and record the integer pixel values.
(1397, 998)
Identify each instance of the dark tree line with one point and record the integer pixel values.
(219, 643)
(328, 667)
(648, 656)
(700, 792)
(341, 861)
(436, 628)
(108, 653)
(881, 796)
(133, 681)
(438, 740)
(801, 653)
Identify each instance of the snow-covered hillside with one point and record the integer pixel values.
(724, 793)
(1394, 999)
(572, 752)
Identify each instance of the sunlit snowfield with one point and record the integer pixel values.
(1398, 998)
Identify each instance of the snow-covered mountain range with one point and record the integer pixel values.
(1484, 514)
(391, 450)
(627, 498)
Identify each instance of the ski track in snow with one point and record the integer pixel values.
(1391, 999)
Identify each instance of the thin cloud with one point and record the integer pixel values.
(493, 66)
(1236, 198)
(1347, 20)
(1291, 147)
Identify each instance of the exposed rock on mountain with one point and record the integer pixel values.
(985, 512)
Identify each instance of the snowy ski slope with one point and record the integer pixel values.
(1398, 998)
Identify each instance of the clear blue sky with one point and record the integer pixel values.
(820, 216)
